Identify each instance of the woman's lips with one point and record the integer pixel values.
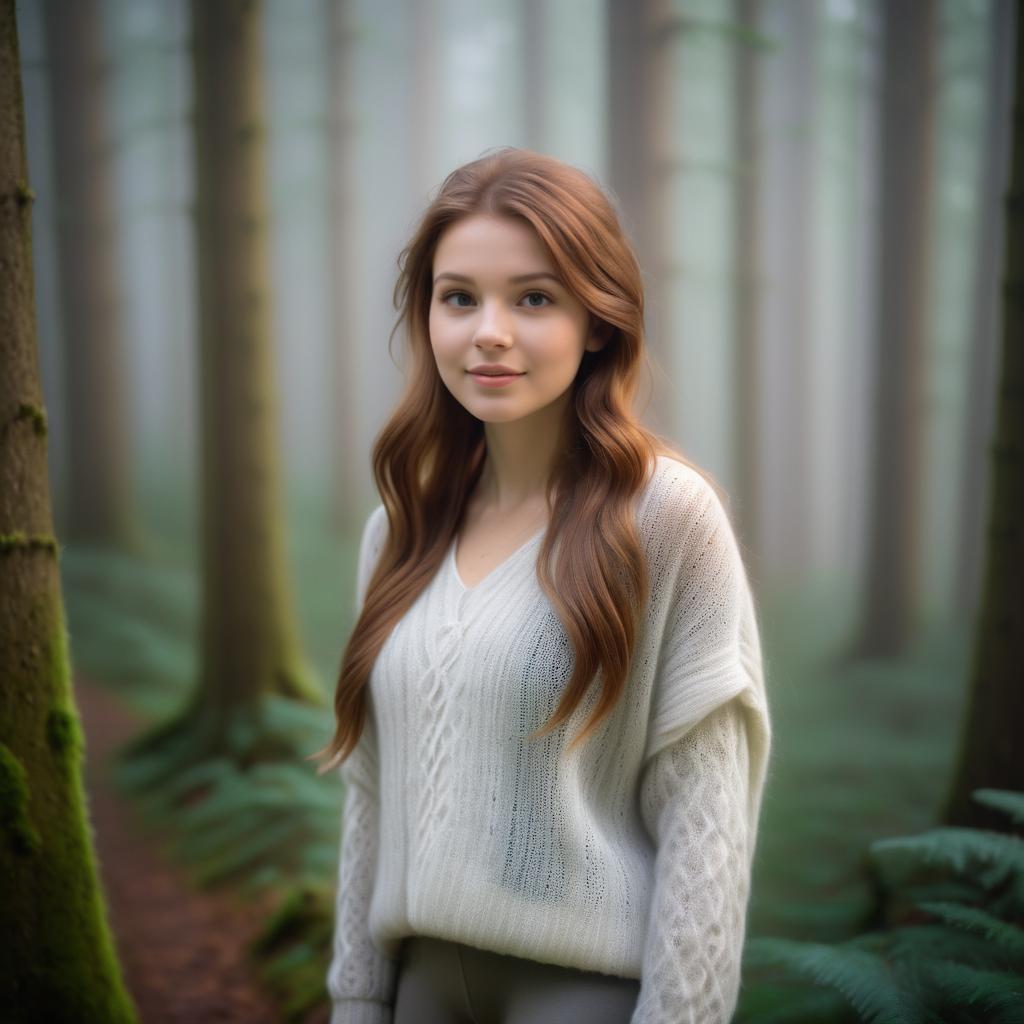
(488, 380)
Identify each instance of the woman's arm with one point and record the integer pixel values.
(694, 801)
(705, 767)
(360, 979)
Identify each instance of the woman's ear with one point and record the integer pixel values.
(600, 334)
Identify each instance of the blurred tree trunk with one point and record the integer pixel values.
(800, 21)
(249, 636)
(990, 754)
(344, 504)
(638, 77)
(986, 296)
(59, 963)
(746, 219)
(630, 118)
(908, 121)
(99, 433)
(532, 20)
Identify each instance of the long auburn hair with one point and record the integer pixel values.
(429, 455)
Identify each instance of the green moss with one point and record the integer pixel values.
(20, 541)
(23, 193)
(64, 735)
(35, 413)
(14, 819)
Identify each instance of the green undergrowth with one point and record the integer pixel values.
(265, 825)
(132, 625)
(951, 950)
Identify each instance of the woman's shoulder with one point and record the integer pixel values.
(376, 522)
(683, 517)
(678, 494)
(687, 522)
(371, 543)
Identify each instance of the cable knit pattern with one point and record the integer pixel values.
(439, 738)
(693, 799)
(630, 856)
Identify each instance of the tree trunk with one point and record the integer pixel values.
(249, 636)
(344, 503)
(985, 298)
(536, 88)
(636, 71)
(99, 433)
(59, 963)
(908, 101)
(991, 755)
(748, 455)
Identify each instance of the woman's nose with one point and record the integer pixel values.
(495, 324)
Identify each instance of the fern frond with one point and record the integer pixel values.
(938, 942)
(267, 847)
(1007, 800)
(208, 772)
(998, 994)
(1003, 934)
(863, 978)
(990, 858)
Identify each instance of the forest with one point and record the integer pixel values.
(203, 202)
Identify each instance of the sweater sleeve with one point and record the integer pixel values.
(694, 799)
(705, 765)
(360, 979)
(711, 648)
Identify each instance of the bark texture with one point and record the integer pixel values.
(58, 963)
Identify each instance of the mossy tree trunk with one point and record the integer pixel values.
(99, 505)
(249, 635)
(991, 754)
(58, 963)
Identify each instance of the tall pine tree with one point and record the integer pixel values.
(249, 636)
(58, 963)
(991, 754)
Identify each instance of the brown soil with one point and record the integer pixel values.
(182, 949)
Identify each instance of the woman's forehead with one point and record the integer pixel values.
(484, 243)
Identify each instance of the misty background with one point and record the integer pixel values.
(815, 191)
(424, 87)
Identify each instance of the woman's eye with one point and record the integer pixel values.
(466, 295)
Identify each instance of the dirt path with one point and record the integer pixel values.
(182, 949)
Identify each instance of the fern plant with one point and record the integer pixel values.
(952, 951)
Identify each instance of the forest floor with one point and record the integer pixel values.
(182, 949)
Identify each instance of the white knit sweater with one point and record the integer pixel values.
(633, 856)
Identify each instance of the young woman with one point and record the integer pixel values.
(551, 714)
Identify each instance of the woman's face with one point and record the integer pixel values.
(497, 298)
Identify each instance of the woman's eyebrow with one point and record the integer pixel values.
(512, 280)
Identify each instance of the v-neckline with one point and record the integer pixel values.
(454, 569)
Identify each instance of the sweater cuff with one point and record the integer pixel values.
(360, 1011)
